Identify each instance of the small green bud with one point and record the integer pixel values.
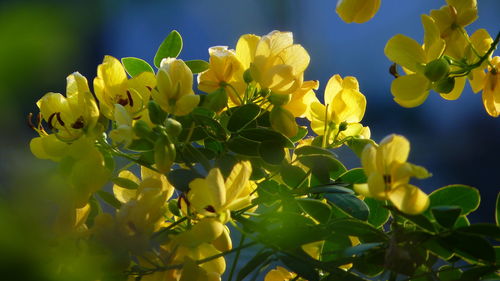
(444, 86)
(164, 154)
(437, 69)
(216, 100)
(173, 207)
(343, 126)
(141, 129)
(247, 76)
(264, 92)
(279, 99)
(156, 114)
(173, 127)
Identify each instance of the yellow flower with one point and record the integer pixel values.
(481, 42)
(48, 147)
(112, 87)
(279, 274)
(174, 92)
(491, 88)
(212, 196)
(389, 175)
(123, 133)
(72, 116)
(302, 98)
(275, 62)
(412, 90)
(225, 68)
(343, 110)
(358, 11)
(451, 20)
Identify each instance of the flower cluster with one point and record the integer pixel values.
(234, 155)
(447, 58)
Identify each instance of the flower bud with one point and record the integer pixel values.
(247, 76)
(437, 69)
(444, 86)
(156, 114)
(164, 154)
(279, 99)
(216, 100)
(173, 127)
(283, 121)
(141, 129)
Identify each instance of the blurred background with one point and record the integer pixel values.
(41, 42)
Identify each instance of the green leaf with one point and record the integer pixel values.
(293, 176)
(323, 166)
(330, 188)
(109, 198)
(361, 249)
(243, 116)
(497, 211)
(313, 150)
(353, 176)
(317, 209)
(446, 215)
(483, 229)
(262, 134)
(301, 267)
(466, 197)
(357, 145)
(197, 66)
(244, 146)
(461, 222)
(141, 145)
(125, 183)
(272, 152)
(95, 209)
(302, 132)
(378, 213)
(350, 204)
(470, 247)
(419, 220)
(354, 227)
(476, 273)
(211, 126)
(438, 247)
(135, 66)
(170, 47)
(258, 260)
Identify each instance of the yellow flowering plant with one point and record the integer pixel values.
(232, 159)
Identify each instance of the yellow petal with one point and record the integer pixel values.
(410, 90)
(208, 192)
(349, 106)
(393, 148)
(409, 199)
(295, 56)
(237, 180)
(358, 11)
(186, 104)
(245, 49)
(376, 186)
(123, 194)
(333, 87)
(433, 44)
(406, 52)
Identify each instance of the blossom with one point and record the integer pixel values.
(491, 88)
(412, 90)
(174, 92)
(343, 110)
(212, 196)
(279, 274)
(72, 116)
(112, 87)
(389, 174)
(358, 11)
(275, 62)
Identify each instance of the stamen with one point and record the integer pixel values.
(149, 88)
(58, 116)
(387, 179)
(131, 101)
(78, 123)
(393, 70)
(30, 124)
(122, 102)
(49, 121)
(210, 209)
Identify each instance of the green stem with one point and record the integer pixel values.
(177, 222)
(235, 261)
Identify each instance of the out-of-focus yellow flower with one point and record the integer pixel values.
(343, 110)
(279, 274)
(212, 196)
(389, 175)
(302, 99)
(275, 62)
(358, 11)
(174, 92)
(413, 89)
(112, 87)
(225, 69)
(48, 147)
(123, 133)
(451, 19)
(71, 116)
(480, 43)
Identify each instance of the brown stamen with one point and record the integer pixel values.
(387, 179)
(28, 120)
(130, 100)
(78, 123)
(49, 121)
(393, 70)
(58, 116)
(122, 102)
(210, 209)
